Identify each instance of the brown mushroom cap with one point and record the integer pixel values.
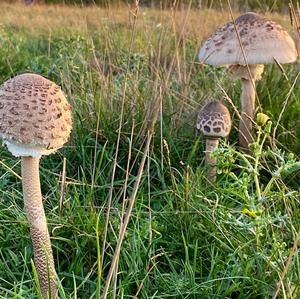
(262, 40)
(214, 120)
(35, 117)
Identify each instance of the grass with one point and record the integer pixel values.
(185, 238)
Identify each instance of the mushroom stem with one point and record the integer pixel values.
(210, 162)
(43, 256)
(247, 113)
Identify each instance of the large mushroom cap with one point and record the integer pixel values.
(262, 40)
(35, 117)
(214, 120)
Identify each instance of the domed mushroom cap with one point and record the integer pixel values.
(35, 117)
(214, 120)
(262, 40)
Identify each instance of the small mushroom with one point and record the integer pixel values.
(33, 124)
(213, 122)
(245, 44)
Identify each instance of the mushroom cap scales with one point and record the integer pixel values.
(214, 120)
(35, 117)
(262, 41)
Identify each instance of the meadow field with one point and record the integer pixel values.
(132, 77)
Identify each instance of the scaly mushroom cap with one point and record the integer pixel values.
(35, 117)
(262, 41)
(214, 120)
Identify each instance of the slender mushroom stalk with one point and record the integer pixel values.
(35, 120)
(210, 145)
(247, 109)
(245, 44)
(33, 204)
(248, 76)
(213, 122)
